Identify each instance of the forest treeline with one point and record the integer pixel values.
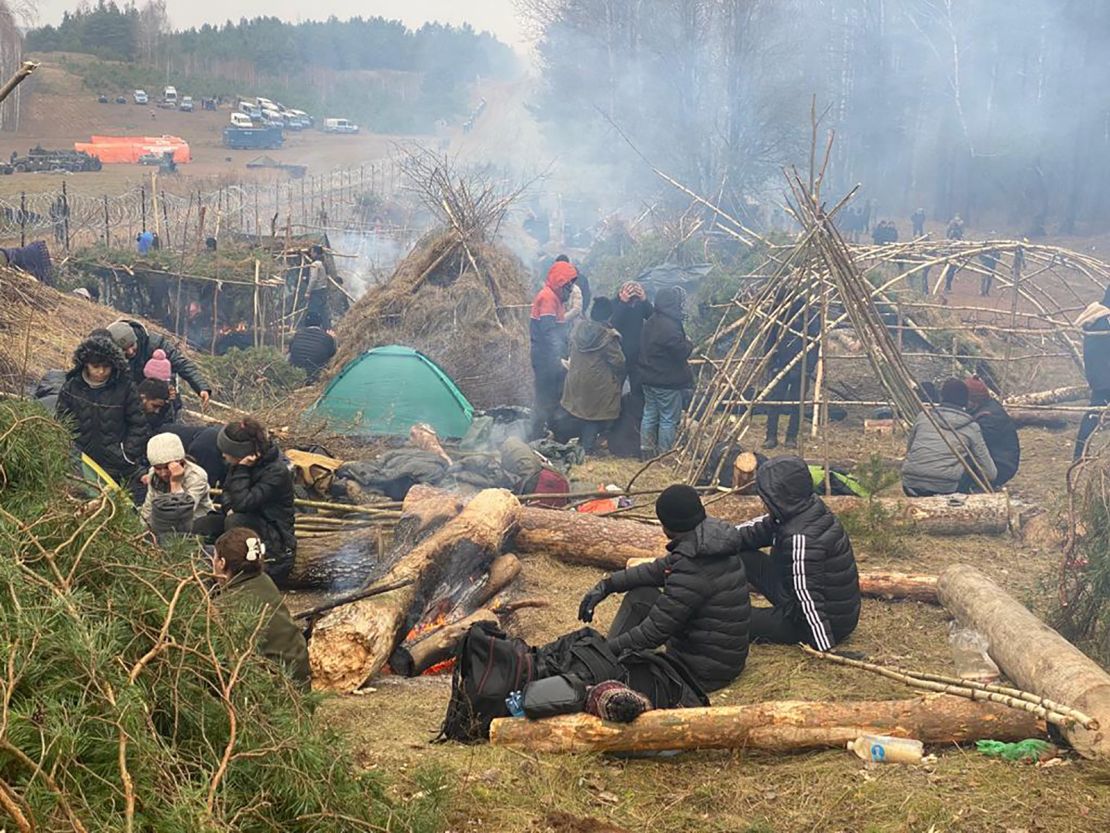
(306, 60)
(995, 110)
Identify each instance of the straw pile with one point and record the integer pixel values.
(463, 305)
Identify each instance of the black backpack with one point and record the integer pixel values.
(584, 653)
(489, 666)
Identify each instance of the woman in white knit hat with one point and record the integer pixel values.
(178, 489)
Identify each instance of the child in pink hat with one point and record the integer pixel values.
(158, 367)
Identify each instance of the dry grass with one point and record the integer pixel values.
(472, 322)
(757, 792)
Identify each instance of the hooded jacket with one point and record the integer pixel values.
(182, 365)
(265, 490)
(1095, 324)
(810, 551)
(1001, 436)
(110, 424)
(628, 320)
(311, 349)
(279, 638)
(592, 390)
(931, 464)
(702, 615)
(664, 348)
(547, 325)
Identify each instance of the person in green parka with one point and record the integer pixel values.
(238, 564)
(595, 373)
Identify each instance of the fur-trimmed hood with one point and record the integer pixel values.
(100, 348)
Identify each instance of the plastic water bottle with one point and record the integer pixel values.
(515, 702)
(969, 652)
(883, 749)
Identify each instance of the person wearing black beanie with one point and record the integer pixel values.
(693, 601)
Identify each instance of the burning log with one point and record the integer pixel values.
(426, 647)
(347, 560)
(1031, 653)
(354, 641)
(785, 726)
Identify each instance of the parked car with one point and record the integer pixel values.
(102, 99)
(241, 120)
(121, 99)
(140, 97)
(339, 126)
(186, 105)
(242, 138)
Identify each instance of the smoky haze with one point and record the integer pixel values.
(990, 108)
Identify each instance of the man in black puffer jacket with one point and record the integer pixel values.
(312, 347)
(99, 399)
(810, 576)
(138, 347)
(703, 613)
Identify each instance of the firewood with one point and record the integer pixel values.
(354, 641)
(1034, 656)
(1048, 397)
(413, 660)
(785, 726)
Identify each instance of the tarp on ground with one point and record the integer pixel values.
(127, 149)
(387, 390)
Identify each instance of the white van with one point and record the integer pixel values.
(169, 96)
(339, 126)
(241, 120)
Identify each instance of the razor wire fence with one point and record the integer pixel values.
(338, 200)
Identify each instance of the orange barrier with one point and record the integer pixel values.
(127, 149)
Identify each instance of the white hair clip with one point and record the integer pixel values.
(255, 549)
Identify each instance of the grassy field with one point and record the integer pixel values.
(502, 790)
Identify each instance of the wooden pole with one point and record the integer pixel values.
(1034, 656)
(785, 726)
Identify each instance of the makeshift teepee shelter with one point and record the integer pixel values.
(459, 297)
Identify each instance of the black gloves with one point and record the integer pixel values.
(593, 599)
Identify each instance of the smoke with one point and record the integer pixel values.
(367, 258)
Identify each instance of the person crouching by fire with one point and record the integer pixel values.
(241, 580)
(258, 494)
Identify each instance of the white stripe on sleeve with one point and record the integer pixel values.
(752, 522)
(798, 552)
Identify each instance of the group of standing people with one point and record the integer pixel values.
(584, 364)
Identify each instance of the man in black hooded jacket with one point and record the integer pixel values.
(810, 577)
(702, 613)
(138, 346)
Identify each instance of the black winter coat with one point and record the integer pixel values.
(182, 365)
(110, 425)
(810, 551)
(664, 350)
(265, 490)
(628, 320)
(1001, 436)
(703, 613)
(1095, 324)
(311, 349)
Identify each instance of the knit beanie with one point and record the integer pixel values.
(233, 448)
(977, 390)
(164, 448)
(616, 702)
(679, 508)
(954, 392)
(158, 367)
(122, 334)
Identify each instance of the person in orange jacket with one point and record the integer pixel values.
(548, 336)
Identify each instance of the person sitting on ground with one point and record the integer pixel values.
(177, 488)
(157, 402)
(664, 371)
(702, 614)
(595, 373)
(936, 453)
(139, 346)
(200, 443)
(998, 429)
(1094, 322)
(532, 474)
(258, 493)
(955, 229)
(240, 566)
(810, 577)
(312, 347)
(100, 400)
(548, 338)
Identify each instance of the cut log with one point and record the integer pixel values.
(413, 660)
(743, 472)
(1026, 418)
(1034, 656)
(502, 572)
(942, 515)
(354, 641)
(351, 559)
(1048, 397)
(585, 539)
(785, 726)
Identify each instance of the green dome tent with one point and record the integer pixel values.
(389, 389)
